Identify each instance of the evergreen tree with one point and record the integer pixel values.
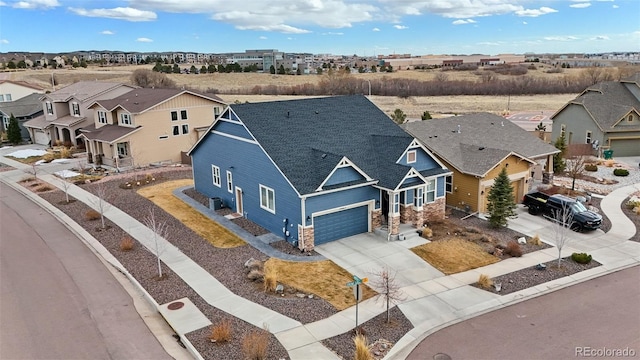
(426, 115)
(13, 131)
(281, 70)
(399, 116)
(203, 69)
(176, 69)
(212, 68)
(558, 159)
(501, 204)
(272, 69)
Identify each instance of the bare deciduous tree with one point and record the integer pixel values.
(387, 287)
(563, 222)
(100, 202)
(160, 230)
(65, 186)
(575, 168)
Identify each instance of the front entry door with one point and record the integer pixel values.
(239, 209)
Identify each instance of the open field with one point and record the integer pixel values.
(225, 84)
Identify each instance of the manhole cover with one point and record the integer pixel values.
(441, 356)
(179, 304)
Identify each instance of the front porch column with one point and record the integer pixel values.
(394, 213)
(547, 174)
(306, 241)
(394, 225)
(376, 219)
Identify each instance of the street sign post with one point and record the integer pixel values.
(357, 292)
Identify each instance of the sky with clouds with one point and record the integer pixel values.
(363, 27)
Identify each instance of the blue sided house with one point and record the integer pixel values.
(318, 170)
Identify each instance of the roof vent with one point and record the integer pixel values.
(481, 148)
(287, 114)
(317, 112)
(324, 156)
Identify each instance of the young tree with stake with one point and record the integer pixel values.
(388, 289)
(160, 230)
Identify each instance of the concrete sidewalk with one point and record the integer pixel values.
(433, 300)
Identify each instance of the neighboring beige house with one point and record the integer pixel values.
(146, 126)
(475, 148)
(66, 111)
(15, 90)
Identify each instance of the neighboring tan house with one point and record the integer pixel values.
(147, 126)
(15, 90)
(606, 115)
(476, 147)
(66, 111)
(317, 170)
(24, 109)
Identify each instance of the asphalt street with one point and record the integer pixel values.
(57, 299)
(596, 317)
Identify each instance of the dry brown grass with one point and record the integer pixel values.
(126, 244)
(322, 278)
(30, 160)
(535, 240)
(221, 332)
(485, 281)
(454, 255)
(92, 215)
(255, 344)
(162, 196)
(427, 233)
(362, 348)
(270, 278)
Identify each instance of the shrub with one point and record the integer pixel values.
(254, 345)
(255, 275)
(48, 157)
(535, 240)
(620, 172)
(43, 188)
(270, 279)
(92, 215)
(255, 265)
(221, 332)
(513, 249)
(581, 258)
(485, 281)
(65, 153)
(362, 348)
(126, 244)
(632, 204)
(591, 167)
(427, 233)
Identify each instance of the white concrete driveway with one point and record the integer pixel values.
(366, 254)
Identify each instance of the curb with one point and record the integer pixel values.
(101, 253)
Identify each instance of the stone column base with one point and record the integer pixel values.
(305, 238)
(376, 219)
(394, 224)
(547, 178)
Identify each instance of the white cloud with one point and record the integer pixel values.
(107, 32)
(615, 6)
(262, 38)
(561, 38)
(4, 41)
(2, 3)
(580, 5)
(457, 9)
(144, 39)
(491, 43)
(462, 22)
(601, 37)
(333, 33)
(375, 29)
(36, 4)
(120, 13)
(535, 12)
(400, 27)
(524, 23)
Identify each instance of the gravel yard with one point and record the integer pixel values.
(635, 218)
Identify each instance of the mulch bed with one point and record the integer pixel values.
(529, 277)
(376, 330)
(633, 217)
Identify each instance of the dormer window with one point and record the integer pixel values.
(75, 109)
(630, 118)
(102, 117)
(411, 157)
(125, 119)
(49, 107)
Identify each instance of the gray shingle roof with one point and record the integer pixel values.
(23, 107)
(608, 102)
(483, 141)
(297, 133)
(139, 100)
(106, 133)
(83, 90)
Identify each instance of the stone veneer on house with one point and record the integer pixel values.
(376, 219)
(306, 240)
(434, 210)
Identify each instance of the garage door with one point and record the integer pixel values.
(625, 147)
(340, 224)
(41, 137)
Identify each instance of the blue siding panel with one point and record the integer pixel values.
(343, 175)
(423, 161)
(233, 129)
(250, 168)
(440, 186)
(340, 198)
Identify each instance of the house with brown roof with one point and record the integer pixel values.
(66, 111)
(14, 90)
(475, 147)
(606, 115)
(145, 126)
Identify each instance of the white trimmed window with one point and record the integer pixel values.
(102, 117)
(448, 183)
(267, 199)
(216, 111)
(174, 116)
(1, 98)
(629, 118)
(176, 130)
(7, 97)
(183, 114)
(418, 197)
(229, 182)
(563, 130)
(125, 119)
(5, 121)
(430, 194)
(396, 203)
(411, 157)
(587, 138)
(75, 109)
(49, 108)
(185, 129)
(215, 174)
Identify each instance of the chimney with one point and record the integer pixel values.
(458, 128)
(502, 123)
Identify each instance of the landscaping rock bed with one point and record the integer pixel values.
(380, 334)
(531, 276)
(635, 218)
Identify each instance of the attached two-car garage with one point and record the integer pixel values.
(340, 224)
